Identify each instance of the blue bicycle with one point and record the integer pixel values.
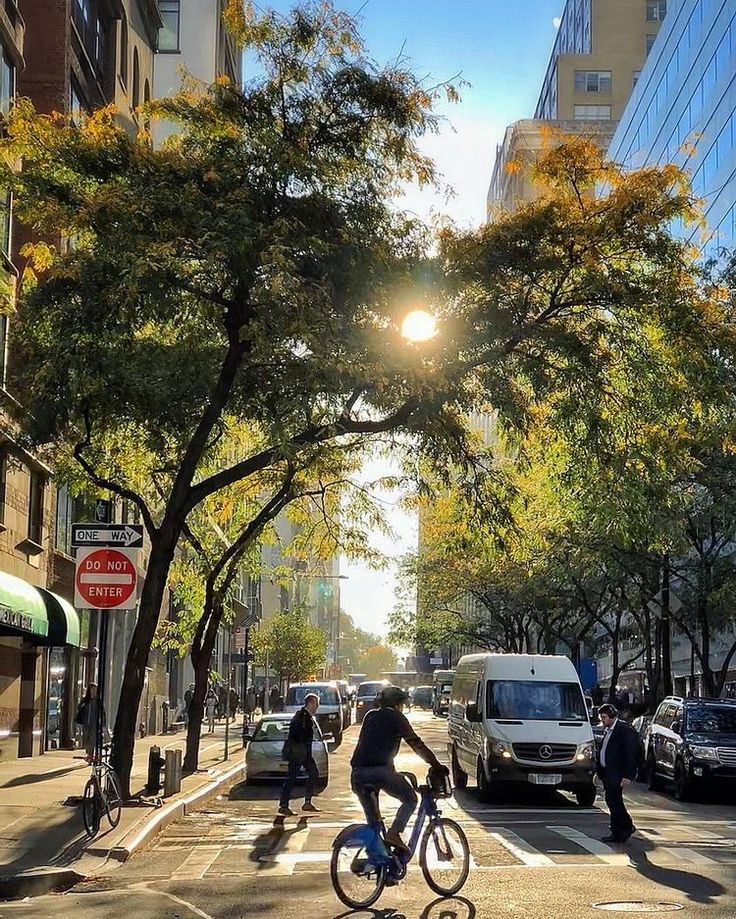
(363, 863)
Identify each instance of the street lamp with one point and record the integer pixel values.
(419, 325)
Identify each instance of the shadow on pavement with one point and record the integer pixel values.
(32, 778)
(268, 845)
(517, 797)
(695, 887)
(372, 914)
(449, 908)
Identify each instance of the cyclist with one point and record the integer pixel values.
(381, 734)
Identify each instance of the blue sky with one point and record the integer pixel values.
(501, 48)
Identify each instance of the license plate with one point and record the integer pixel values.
(544, 778)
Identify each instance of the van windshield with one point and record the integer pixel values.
(327, 695)
(535, 700)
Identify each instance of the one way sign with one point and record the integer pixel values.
(107, 536)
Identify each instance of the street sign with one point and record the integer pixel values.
(109, 535)
(103, 511)
(106, 579)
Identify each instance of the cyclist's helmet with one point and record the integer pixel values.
(391, 696)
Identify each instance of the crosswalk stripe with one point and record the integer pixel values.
(520, 848)
(688, 855)
(594, 846)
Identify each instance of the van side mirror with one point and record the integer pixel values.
(472, 713)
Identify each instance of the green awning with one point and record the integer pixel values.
(64, 628)
(21, 607)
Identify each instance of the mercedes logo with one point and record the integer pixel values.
(545, 751)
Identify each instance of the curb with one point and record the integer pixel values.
(139, 838)
(37, 882)
(43, 880)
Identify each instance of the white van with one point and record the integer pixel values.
(521, 718)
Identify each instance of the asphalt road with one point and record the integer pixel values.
(535, 855)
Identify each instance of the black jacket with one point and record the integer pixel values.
(380, 738)
(298, 747)
(622, 755)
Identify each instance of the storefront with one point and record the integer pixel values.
(40, 634)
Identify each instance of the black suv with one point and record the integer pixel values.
(691, 742)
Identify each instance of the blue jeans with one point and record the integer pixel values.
(294, 769)
(387, 779)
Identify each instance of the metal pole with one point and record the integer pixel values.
(101, 681)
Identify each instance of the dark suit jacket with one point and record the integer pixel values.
(301, 735)
(622, 755)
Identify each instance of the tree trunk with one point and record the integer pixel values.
(154, 586)
(615, 666)
(201, 655)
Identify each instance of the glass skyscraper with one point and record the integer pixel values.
(683, 111)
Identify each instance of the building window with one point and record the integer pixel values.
(35, 508)
(592, 113)
(77, 106)
(656, 10)
(168, 35)
(136, 80)
(637, 74)
(650, 42)
(7, 83)
(593, 81)
(64, 520)
(123, 68)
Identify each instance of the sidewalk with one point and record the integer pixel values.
(42, 839)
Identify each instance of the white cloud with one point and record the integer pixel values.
(557, 22)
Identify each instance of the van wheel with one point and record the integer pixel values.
(585, 796)
(484, 786)
(459, 777)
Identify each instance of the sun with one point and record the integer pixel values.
(419, 325)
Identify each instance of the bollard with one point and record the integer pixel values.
(172, 773)
(165, 716)
(155, 765)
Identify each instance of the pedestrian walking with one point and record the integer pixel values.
(210, 708)
(188, 696)
(222, 700)
(250, 703)
(273, 698)
(87, 718)
(618, 761)
(298, 754)
(234, 699)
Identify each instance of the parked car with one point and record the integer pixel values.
(329, 714)
(347, 705)
(264, 757)
(520, 719)
(691, 742)
(365, 697)
(422, 696)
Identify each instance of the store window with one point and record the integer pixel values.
(593, 81)
(168, 35)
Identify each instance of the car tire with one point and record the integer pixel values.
(585, 795)
(484, 786)
(459, 776)
(681, 786)
(653, 782)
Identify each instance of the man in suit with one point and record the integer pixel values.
(618, 760)
(298, 753)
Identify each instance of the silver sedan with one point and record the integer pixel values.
(264, 757)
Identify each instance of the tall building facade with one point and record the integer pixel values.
(193, 42)
(683, 111)
(599, 52)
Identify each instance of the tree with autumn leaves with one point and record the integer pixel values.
(255, 267)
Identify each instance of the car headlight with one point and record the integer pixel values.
(704, 753)
(586, 751)
(501, 748)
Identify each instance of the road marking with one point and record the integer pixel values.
(594, 846)
(521, 849)
(689, 855)
(296, 858)
(196, 864)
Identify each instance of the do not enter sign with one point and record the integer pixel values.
(106, 579)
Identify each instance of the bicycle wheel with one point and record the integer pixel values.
(445, 856)
(91, 808)
(358, 878)
(112, 796)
